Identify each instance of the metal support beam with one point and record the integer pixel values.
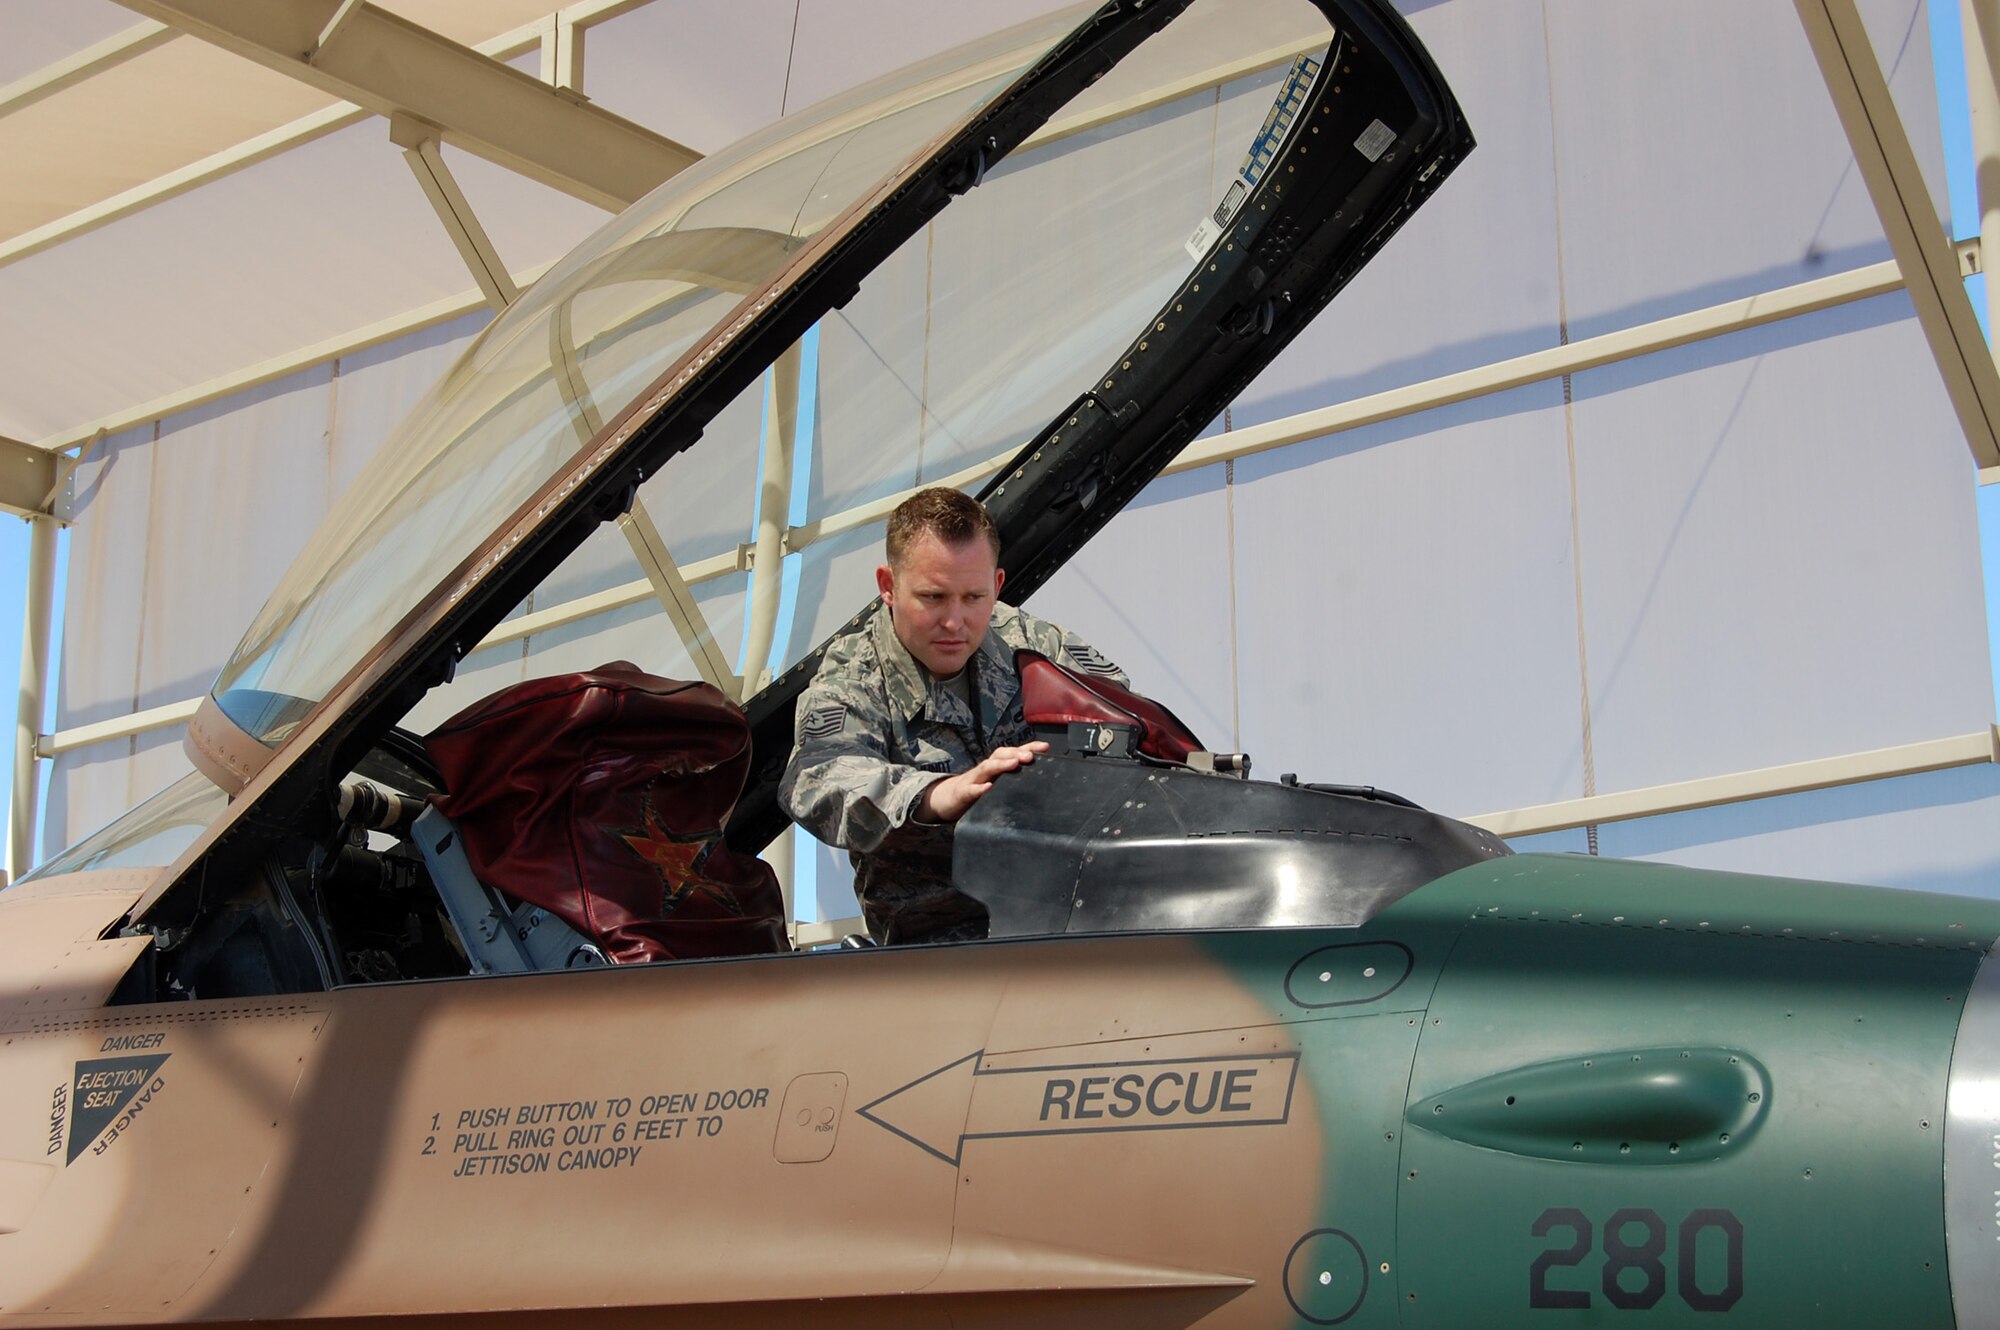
(562, 58)
(334, 25)
(1768, 782)
(277, 367)
(269, 144)
(387, 64)
(1909, 218)
(26, 798)
(605, 601)
(118, 727)
(92, 60)
(419, 142)
(562, 52)
(1541, 366)
(672, 592)
(175, 183)
(774, 503)
(29, 478)
(1679, 330)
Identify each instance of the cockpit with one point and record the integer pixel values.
(579, 822)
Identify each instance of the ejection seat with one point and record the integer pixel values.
(583, 824)
(1089, 715)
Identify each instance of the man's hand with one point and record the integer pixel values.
(947, 800)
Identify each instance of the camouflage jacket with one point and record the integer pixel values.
(874, 731)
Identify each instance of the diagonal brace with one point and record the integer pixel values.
(675, 597)
(1929, 264)
(419, 143)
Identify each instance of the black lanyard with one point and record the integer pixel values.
(972, 692)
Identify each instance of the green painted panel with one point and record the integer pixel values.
(1335, 973)
(1359, 1070)
(1357, 1035)
(1831, 1213)
(1809, 1024)
(1597, 893)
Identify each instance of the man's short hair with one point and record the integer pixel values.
(953, 518)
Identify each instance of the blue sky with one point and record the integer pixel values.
(1954, 118)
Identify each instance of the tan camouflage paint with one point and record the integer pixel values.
(606, 1139)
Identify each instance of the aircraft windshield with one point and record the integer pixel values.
(150, 836)
(969, 339)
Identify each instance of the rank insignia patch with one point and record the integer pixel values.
(1090, 660)
(823, 722)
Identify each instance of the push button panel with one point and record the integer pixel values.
(809, 1122)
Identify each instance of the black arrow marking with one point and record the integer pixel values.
(967, 1100)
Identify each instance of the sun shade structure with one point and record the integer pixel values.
(678, 576)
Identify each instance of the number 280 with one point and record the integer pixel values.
(1644, 1259)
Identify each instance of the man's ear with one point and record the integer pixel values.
(999, 580)
(885, 582)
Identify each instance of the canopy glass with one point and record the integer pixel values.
(972, 336)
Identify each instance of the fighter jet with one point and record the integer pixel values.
(310, 1036)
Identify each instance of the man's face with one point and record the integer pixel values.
(941, 598)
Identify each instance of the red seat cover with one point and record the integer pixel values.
(601, 798)
(1053, 695)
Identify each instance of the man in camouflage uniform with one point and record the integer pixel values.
(915, 713)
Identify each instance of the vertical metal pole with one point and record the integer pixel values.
(27, 804)
(1980, 20)
(568, 68)
(767, 571)
(774, 506)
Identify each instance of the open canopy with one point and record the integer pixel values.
(1145, 204)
